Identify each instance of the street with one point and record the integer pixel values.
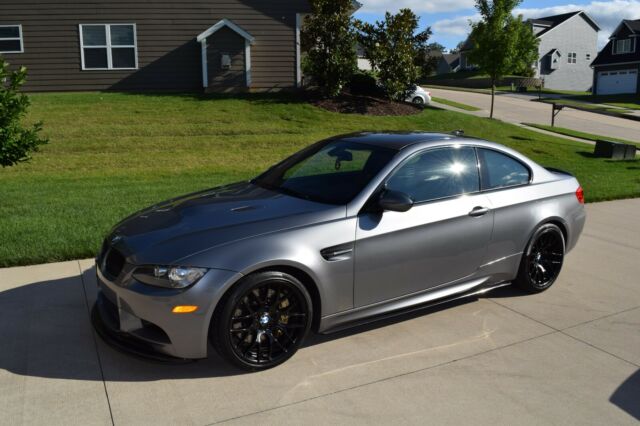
(521, 109)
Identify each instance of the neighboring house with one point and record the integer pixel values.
(180, 45)
(616, 68)
(568, 44)
(465, 50)
(363, 63)
(448, 63)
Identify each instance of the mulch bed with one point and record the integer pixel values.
(351, 104)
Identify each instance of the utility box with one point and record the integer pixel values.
(614, 150)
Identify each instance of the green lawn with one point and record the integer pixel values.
(455, 104)
(588, 106)
(577, 134)
(548, 91)
(630, 101)
(111, 154)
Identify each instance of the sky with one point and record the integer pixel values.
(449, 19)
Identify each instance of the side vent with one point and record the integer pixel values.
(337, 253)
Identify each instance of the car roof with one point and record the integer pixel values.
(395, 140)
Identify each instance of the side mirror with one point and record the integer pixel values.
(395, 201)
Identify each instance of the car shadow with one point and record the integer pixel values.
(47, 332)
(627, 394)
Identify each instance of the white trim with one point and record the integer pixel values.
(248, 41)
(247, 61)
(108, 46)
(225, 23)
(20, 38)
(205, 70)
(298, 51)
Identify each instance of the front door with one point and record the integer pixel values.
(442, 239)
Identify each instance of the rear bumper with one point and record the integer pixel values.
(137, 318)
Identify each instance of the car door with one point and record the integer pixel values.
(440, 240)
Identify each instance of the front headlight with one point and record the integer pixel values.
(169, 276)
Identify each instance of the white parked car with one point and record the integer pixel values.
(419, 96)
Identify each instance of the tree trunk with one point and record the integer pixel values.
(493, 96)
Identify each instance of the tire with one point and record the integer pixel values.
(418, 101)
(263, 321)
(542, 259)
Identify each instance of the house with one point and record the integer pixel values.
(363, 63)
(465, 50)
(616, 68)
(568, 44)
(447, 63)
(154, 45)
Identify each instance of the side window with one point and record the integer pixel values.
(437, 173)
(499, 170)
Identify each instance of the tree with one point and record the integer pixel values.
(458, 47)
(526, 53)
(393, 47)
(329, 39)
(16, 141)
(497, 41)
(435, 47)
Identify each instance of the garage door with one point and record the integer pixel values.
(622, 81)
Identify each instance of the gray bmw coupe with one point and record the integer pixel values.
(350, 229)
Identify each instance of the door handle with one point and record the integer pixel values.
(479, 211)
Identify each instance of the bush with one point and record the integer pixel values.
(365, 84)
(16, 141)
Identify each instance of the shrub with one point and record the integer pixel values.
(16, 141)
(365, 84)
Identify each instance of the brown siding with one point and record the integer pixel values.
(226, 42)
(168, 54)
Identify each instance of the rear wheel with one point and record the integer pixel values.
(542, 259)
(418, 100)
(263, 321)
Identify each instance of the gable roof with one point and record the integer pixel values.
(225, 23)
(632, 25)
(606, 56)
(551, 22)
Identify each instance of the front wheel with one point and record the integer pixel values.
(542, 259)
(263, 321)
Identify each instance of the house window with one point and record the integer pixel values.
(572, 58)
(11, 39)
(623, 46)
(588, 56)
(108, 46)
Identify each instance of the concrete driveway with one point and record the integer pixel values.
(568, 356)
(521, 109)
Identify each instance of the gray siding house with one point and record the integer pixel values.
(616, 69)
(568, 45)
(154, 45)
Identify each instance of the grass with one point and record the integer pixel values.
(455, 104)
(533, 90)
(628, 101)
(577, 134)
(587, 106)
(112, 154)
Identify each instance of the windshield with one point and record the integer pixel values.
(333, 171)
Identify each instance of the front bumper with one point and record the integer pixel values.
(138, 318)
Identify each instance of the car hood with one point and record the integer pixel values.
(175, 229)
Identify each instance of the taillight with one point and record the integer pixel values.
(580, 195)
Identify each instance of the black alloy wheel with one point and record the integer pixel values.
(542, 260)
(264, 321)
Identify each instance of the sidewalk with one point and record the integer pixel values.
(570, 355)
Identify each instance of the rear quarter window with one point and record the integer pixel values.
(501, 171)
